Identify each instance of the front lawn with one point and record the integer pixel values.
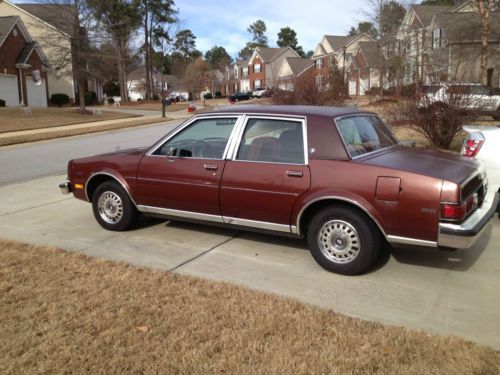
(62, 312)
(14, 119)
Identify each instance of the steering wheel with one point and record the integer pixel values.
(202, 149)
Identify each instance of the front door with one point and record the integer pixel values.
(266, 174)
(182, 175)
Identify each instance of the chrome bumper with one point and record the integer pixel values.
(463, 236)
(65, 187)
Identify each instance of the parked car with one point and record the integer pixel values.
(483, 144)
(238, 96)
(260, 92)
(467, 96)
(336, 176)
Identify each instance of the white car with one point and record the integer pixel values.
(471, 96)
(259, 92)
(483, 144)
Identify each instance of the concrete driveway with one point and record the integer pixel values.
(442, 292)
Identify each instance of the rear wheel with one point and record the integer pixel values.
(113, 208)
(343, 241)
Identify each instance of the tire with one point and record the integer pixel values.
(358, 245)
(113, 208)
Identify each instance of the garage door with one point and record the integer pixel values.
(8, 90)
(352, 88)
(37, 95)
(363, 86)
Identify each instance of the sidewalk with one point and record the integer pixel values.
(23, 136)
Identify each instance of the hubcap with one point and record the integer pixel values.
(339, 241)
(110, 207)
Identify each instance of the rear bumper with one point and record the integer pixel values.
(463, 236)
(65, 187)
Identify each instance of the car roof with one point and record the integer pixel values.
(302, 110)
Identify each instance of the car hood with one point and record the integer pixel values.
(437, 164)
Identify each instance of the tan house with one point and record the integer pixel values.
(53, 35)
(440, 43)
(291, 68)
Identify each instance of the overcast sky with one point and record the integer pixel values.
(224, 22)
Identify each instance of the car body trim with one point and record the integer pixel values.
(410, 241)
(217, 219)
(114, 178)
(257, 224)
(343, 199)
(180, 213)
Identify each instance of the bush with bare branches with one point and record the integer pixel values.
(307, 90)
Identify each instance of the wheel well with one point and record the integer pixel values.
(95, 182)
(314, 208)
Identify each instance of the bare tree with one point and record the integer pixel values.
(196, 76)
(484, 8)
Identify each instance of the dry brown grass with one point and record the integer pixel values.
(13, 119)
(35, 137)
(62, 312)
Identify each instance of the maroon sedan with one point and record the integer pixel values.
(335, 176)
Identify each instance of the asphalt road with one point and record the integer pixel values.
(28, 161)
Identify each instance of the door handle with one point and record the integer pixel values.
(211, 167)
(294, 173)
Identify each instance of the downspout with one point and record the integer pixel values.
(21, 85)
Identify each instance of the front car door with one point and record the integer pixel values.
(265, 173)
(181, 175)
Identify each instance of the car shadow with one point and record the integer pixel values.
(455, 260)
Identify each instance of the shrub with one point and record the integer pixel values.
(391, 91)
(208, 96)
(59, 99)
(218, 94)
(90, 98)
(190, 97)
(306, 92)
(374, 91)
(111, 101)
(250, 94)
(156, 97)
(2, 103)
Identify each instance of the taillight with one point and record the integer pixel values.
(453, 211)
(472, 144)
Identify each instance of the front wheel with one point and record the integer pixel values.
(113, 208)
(343, 241)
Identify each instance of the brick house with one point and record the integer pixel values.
(366, 68)
(330, 50)
(23, 66)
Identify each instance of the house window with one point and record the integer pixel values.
(331, 61)
(235, 72)
(436, 38)
(245, 72)
(256, 84)
(319, 81)
(256, 68)
(319, 63)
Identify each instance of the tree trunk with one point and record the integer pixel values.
(121, 71)
(79, 65)
(147, 51)
(484, 13)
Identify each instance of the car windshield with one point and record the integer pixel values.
(363, 134)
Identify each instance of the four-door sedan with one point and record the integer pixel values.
(336, 176)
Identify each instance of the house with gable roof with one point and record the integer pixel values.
(23, 66)
(291, 68)
(264, 65)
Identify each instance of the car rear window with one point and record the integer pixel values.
(363, 134)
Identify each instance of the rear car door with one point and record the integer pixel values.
(266, 172)
(181, 176)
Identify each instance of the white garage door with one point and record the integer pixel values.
(8, 90)
(363, 86)
(352, 88)
(37, 95)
